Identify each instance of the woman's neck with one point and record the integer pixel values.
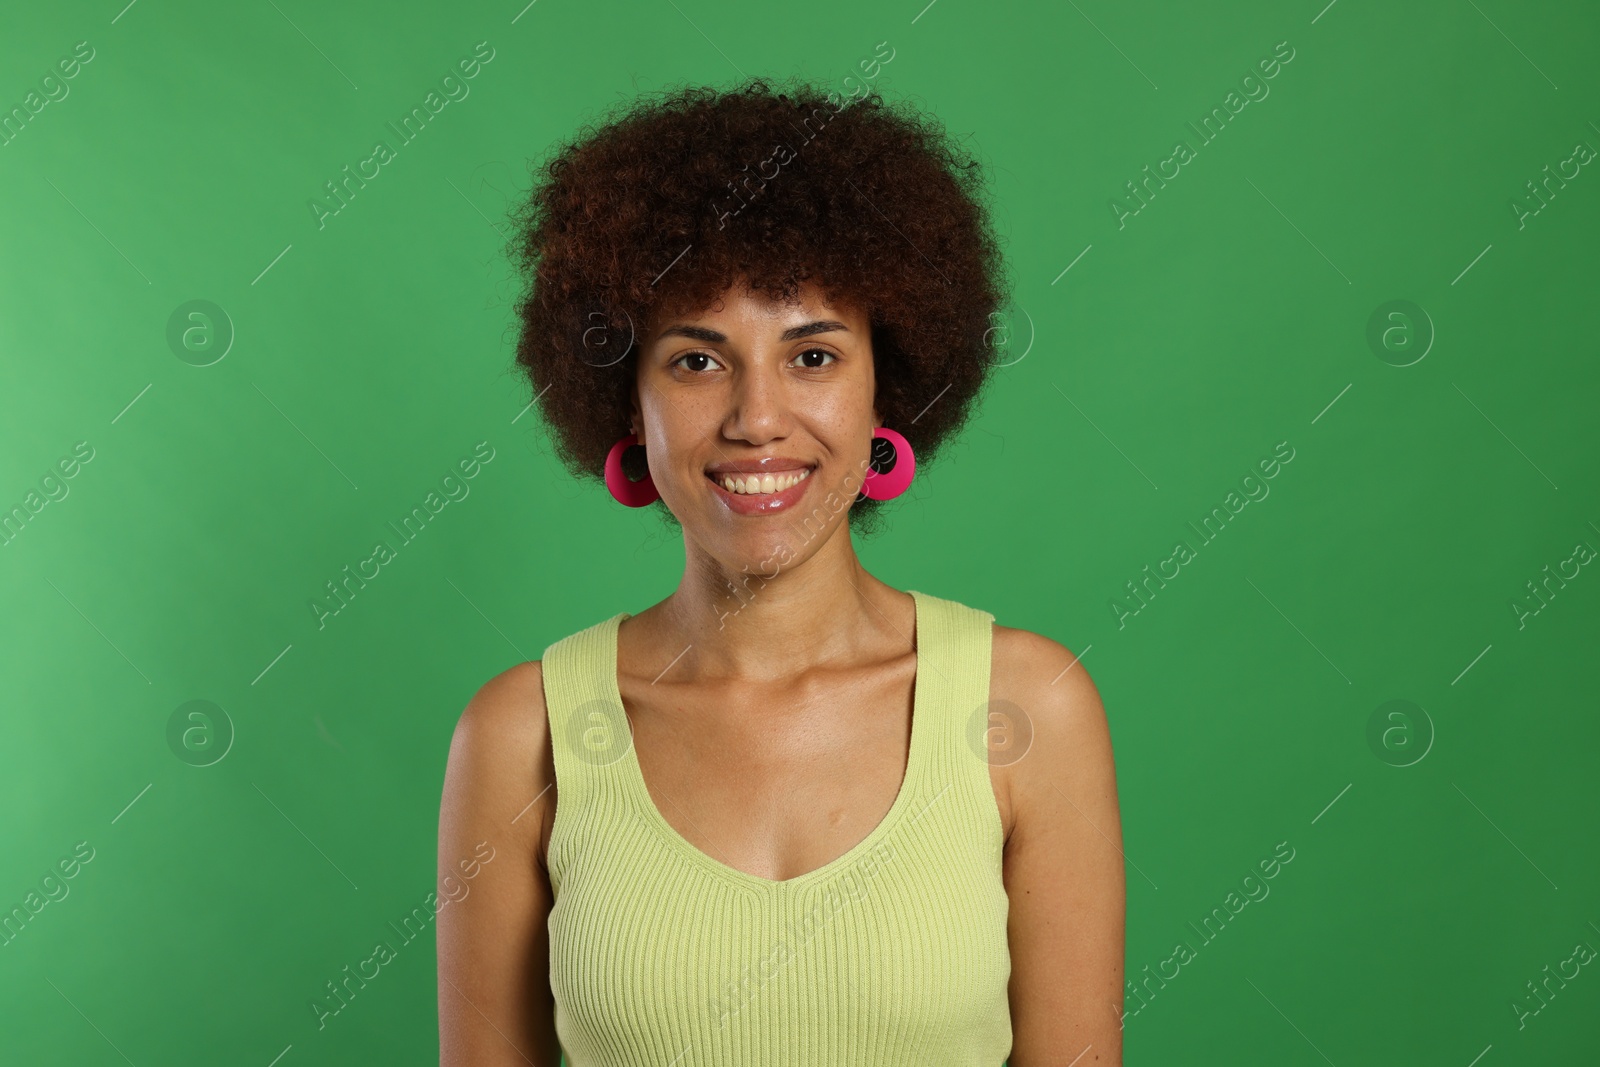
(772, 622)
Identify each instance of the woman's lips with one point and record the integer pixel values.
(762, 503)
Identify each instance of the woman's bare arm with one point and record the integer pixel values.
(1063, 866)
(495, 1006)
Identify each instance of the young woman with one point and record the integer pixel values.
(789, 814)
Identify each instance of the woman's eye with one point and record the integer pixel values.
(699, 362)
(816, 352)
(683, 361)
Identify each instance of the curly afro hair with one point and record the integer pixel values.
(683, 193)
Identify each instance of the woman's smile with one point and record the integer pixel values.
(761, 491)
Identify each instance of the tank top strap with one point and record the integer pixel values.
(589, 731)
(956, 642)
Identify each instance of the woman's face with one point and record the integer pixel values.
(757, 419)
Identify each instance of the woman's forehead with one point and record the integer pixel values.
(741, 308)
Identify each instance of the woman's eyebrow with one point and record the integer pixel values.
(698, 333)
(793, 333)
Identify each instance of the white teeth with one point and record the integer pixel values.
(761, 483)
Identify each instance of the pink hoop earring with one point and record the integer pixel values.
(633, 494)
(893, 482)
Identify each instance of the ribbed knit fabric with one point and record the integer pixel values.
(895, 953)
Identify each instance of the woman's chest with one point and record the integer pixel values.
(887, 960)
(777, 782)
(894, 953)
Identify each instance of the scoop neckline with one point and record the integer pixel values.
(680, 844)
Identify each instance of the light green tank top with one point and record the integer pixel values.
(893, 954)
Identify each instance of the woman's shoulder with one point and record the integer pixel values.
(500, 760)
(507, 698)
(1021, 658)
(506, 717)
(509, 709)
(1047, 689)
(1029, 661)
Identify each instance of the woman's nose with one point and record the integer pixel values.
(758, 405)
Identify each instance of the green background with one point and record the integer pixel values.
(1230, 314)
